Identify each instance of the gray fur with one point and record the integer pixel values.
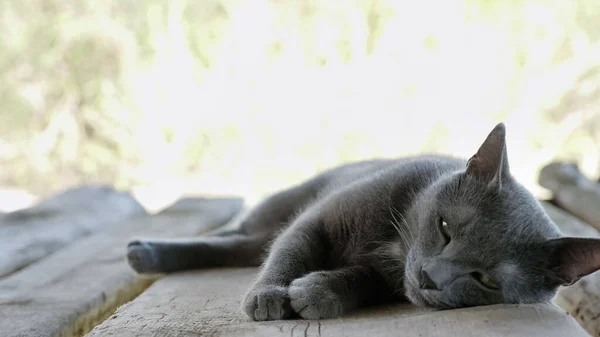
(369, 232)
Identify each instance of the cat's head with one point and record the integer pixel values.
(484, 239)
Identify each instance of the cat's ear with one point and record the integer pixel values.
(570, 259)
(490, 163)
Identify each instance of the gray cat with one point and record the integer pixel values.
(439, 231)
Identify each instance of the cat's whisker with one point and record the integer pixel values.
(408, 237)
(403, 221)
(396, 291)
(396, 227)
(406, 227)
(395, 223)
(399, 226)
(398, 231)
(402, 234)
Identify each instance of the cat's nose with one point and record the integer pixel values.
(427, 282)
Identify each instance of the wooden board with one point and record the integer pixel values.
(582, 300)
(207, 303)
(30, 234)
(573, 191)
(76, 288)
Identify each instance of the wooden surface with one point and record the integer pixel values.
(69, 292)
(207, 303)
(582, 300)
(573, 191)
(580, 196)
(86, 278)
(30, 234)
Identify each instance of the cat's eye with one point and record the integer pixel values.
(486, 280)
(445, 229)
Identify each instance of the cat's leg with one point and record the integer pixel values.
(166, 256)
(329, 294)
(296, 252)
(241, 246)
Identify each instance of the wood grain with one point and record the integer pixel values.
(30, 234)
(573, 191)
(207, 303)
(582, 299)
(76, 288)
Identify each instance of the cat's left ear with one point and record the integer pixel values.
(490, 163)
(570, 259)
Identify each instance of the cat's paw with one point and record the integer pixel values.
(142, 257)
(311, 297)
(265, 303)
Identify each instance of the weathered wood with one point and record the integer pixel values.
(573, 191)
(30, 234)
(208, 304)
(579, 196)
(567, 223)
(69, 292)
(581, 300)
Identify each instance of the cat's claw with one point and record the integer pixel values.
(266, 303)
(312, 300)
(142, 257)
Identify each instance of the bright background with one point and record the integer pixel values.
(165, 97)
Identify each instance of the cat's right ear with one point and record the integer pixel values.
(570, 259)
(490, 164)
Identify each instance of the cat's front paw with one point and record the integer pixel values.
(265, 303)
(311, 297)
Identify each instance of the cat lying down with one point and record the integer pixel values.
(439, 231)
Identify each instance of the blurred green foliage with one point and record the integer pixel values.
(246, 96)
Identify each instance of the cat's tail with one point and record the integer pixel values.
(166, 256)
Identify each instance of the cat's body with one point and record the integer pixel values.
(436, 230)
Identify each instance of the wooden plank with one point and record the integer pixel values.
(30, 234)
(69, 292)
(581, 300)
(573, 191)
(208, 304)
